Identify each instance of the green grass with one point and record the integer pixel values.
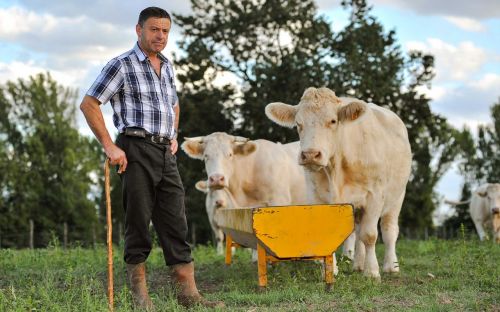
(466, 278)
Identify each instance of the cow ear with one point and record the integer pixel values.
(482, 194)
(351, 111)
(244, 148)
(193, 147)
(282, 114)
(201, 186)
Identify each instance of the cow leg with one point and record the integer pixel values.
(390, 230)
(359, 252)
(219, 237)
(480, 229)
(496, 228)
(255, 256)
(369, 238)
(348, 247)
(368, 234)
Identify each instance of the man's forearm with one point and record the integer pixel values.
(177, 116)
(95, 120)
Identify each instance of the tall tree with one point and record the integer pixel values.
(50, 165)
(479, 163)
(484, 165)
(275, 49)
(461, 216)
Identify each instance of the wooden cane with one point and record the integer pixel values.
(109, 234)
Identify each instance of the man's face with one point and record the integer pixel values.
(153, 35)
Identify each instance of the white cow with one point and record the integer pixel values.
(254, 172)
(215, 199)
(484, 209)
(358, 153)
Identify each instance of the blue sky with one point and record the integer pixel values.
(74, 39)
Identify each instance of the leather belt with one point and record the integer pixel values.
(141, 133)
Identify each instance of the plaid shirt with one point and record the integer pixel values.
(138, 96)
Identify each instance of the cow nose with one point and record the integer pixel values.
(219, 203)
(216, 180)
(310, 156)
(495, 210)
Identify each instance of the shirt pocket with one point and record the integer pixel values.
(132, 88)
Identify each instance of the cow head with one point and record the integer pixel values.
(492, 195)
(216, 198)
(318, 117)
(218, 150)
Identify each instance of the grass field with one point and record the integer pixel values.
(436, 275)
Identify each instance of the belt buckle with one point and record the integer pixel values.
(158, 139)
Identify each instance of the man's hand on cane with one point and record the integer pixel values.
(117, 157)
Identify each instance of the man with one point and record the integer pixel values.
(140, 86)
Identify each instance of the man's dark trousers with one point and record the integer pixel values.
(153, 191)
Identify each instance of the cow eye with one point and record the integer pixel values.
(333, 121)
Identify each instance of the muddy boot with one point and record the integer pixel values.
(187, 294)
(136, 274)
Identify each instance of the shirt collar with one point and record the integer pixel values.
(142, 56)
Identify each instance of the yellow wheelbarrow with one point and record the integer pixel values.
(284, 233)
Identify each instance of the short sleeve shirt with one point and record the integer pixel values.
(139, 97)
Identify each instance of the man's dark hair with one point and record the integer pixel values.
(152, 12)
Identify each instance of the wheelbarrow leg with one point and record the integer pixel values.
(262, 266)
(229, 245)
(329, 277)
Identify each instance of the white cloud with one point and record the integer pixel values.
(489, 81)
(468, 104)
(434, 93)
(483, 9)
(14, 70)
(11, 27)
(123, 13)
(465, 23)
(327, 4)
(453, 63)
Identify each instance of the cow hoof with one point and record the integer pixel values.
(375, 276)
(357, 268)
(391, 269)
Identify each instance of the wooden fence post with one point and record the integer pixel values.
(65, 235)
(94, 238)
(120, 233)
(32, 229)
(193, 233)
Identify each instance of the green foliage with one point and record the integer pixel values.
(248, 40)
(48, 164)
(462, 216)
(75, 280)
(481, 163)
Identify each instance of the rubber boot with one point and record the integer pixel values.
(136, 274)
(187, 294)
